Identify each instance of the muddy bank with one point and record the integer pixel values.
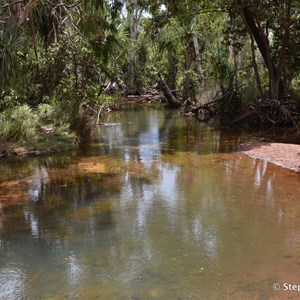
(284, 155)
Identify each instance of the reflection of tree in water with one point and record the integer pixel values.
(183, 135)
(234, 198)
(56, 197)
(19, 167)
(155, 206)
(64, 213)
(16, 175)
(55, 193)
(122, 132)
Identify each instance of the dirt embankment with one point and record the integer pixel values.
(284, 155)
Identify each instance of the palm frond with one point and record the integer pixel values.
(10, 40)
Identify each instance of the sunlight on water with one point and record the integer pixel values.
(12, 282)
(156, 207)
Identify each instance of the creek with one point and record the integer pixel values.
(157, 206)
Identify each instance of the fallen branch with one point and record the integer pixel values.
(244, 116)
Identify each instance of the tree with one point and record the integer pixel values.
(269, 24)
(134, 16)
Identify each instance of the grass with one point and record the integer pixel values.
(26, 131)
(44, 144)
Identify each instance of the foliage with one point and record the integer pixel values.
(9, 42)
(18, 123)
(60, 60)
(23, 130)
(46, 113)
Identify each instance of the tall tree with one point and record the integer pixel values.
(269, 24)
(134, 16)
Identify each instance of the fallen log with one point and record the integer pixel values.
(244, 116)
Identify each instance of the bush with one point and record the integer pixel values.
(46, 113)
(8, 99)
(18, 123)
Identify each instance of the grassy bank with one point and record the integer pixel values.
(27, 131)
(43, 144)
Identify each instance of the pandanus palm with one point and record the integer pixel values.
(189, 35)
(168, 41)
(10, 40)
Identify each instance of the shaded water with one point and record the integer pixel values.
(157, 207)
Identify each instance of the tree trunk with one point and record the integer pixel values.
(197, 52)
(263, 45)
(33, 32)
(275, 72)
(256, 72)
(187, 88)
(134, 15)
(172, 101)
(172, 69)
(232, 55)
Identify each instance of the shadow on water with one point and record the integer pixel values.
(156, 207)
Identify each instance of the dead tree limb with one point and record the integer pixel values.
(244, 116)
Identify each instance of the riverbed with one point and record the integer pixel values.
(157, 206)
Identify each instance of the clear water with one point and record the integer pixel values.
(157, 207)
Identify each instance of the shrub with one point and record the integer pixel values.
(46, 113)
(18, 123)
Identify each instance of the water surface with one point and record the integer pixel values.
(156, 207)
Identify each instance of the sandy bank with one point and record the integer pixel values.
(284, 155)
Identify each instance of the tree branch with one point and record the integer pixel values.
(23, 18)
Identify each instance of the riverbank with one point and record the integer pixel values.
(42, 130)
(283, 155)
(43, 145)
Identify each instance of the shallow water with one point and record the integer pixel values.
(156, 207)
